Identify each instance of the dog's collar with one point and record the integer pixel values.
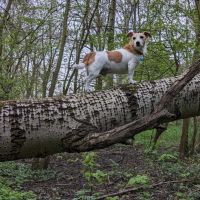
(140, 58)
(133, 50)
(139, 52)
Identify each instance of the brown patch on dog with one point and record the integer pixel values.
(89, 58)
(130, 34)
(131, 49)
(115, 56)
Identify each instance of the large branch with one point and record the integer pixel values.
(36, 128)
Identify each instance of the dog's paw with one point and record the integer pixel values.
(88, 90)
(132, 81)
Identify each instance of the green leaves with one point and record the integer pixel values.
(22, 173)
(89, 159)
(90, 172)
(7, 193)
(138, 180)
(11, 175)
(98, 176)
(166, 157)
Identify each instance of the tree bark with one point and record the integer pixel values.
(183, 147)
(2, 24)
(194, 135)
(37, 128)
(61, 50)
(111, 26)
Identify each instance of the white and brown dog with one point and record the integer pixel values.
(118, 61)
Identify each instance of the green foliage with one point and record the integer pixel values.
(168, 138)
(7, 193)
(31, 20)
(145, 196)
(83, 195)
(21, 173)
(181, 196)
(90, 172)
(13, 174)
(194, 195)
(157, 63)
(89, 159)
(8, 87)
(166, 157)
(92, 175)
(138, 180)
(98, 176)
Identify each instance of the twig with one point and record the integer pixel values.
(122, 192)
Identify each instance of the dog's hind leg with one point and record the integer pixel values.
(92, 71)
(89, 79)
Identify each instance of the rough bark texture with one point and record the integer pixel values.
(36, 128)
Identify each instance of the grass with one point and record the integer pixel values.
(170, 137)
(172, 168)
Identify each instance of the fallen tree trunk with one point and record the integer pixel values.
(37, 128)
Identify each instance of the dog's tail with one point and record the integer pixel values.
(79, 66)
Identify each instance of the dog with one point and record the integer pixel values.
(118, 61)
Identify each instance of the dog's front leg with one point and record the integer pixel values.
(131, 70)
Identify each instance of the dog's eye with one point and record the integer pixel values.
(141, 37)
(134, 38)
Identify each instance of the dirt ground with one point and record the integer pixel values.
(120, 162)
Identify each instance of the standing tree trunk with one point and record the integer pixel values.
(99, 46)
(197, 142)
(87, 22)
(61, 50)
(111, 34)
(183, 147)
(2, 25)
(45, 162)
(111, 25)
(135, 15)
(194, 136)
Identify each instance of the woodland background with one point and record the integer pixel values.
(41, 40)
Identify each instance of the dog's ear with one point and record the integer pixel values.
(147, 34)
(130, 34)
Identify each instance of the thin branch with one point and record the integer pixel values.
(143, 187)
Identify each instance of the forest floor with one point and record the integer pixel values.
(157, 174)
(117, 166)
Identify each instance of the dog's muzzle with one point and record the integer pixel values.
(138, 44)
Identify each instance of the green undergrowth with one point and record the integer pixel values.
(165, 158)
(9, 192)
(13, 175)
(169, 138)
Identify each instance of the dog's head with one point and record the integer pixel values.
(139, 40)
